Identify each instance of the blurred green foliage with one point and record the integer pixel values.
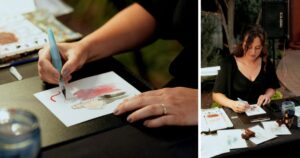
(211, 38)
(246, 13)
(89, 15)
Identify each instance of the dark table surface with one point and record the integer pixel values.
(279, 145)
(107, 136)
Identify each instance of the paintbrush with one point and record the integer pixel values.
(56, 60)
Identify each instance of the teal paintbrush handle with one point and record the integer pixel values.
(55, 56)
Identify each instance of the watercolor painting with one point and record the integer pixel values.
(87, 98)
(274, 128)
(261, 135)
(254, 109)
(99, 102)
(93, 98)
(232, 138)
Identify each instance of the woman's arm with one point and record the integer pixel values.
(270, 92)
(266, 98)
(236, 106)
(127, 29)
(167, 106)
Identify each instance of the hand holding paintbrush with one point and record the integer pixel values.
(56, 60)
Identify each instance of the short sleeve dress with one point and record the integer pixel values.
(178, 20)
(231, 82)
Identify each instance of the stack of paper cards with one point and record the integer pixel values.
(261, 135)
(254, 109)
(204, 126)
(274, 128)
(214, 119)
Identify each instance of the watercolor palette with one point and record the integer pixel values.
(44, 19)
(18, 35)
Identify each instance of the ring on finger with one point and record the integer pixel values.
(164, 109)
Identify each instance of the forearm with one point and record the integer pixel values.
(270, 92)
(223, 100)
(129, 28)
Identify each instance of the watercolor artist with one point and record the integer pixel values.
(137, 25)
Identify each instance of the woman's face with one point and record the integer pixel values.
(254, 49)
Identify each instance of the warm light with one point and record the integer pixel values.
(16, 129)
(4, 117)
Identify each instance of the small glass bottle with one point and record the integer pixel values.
(19, 134)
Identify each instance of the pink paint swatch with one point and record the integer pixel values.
(85, 94)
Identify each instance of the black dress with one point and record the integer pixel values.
(178, 20)
(231, 82)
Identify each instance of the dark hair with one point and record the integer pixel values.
(249, 35)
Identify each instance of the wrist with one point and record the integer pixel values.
(232, 104)
(85, 49)
(270, 92)
(268, 95)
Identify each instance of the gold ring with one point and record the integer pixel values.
(164, 109)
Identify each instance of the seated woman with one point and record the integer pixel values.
(246, 75)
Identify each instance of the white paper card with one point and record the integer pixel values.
(210, 71)
(14, 7)
(92, 97)
(254, 109)
(211, 146)
(274, 128)
(261, 135)
(215, 119)
(232, 138)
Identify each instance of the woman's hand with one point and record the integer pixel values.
(239, 106)
(73, 57)
(168, 106)
(263, 100)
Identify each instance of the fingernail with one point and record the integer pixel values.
(56, 77)
(116, 112)
(65, 73)
(129, 119)
(146, 123)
